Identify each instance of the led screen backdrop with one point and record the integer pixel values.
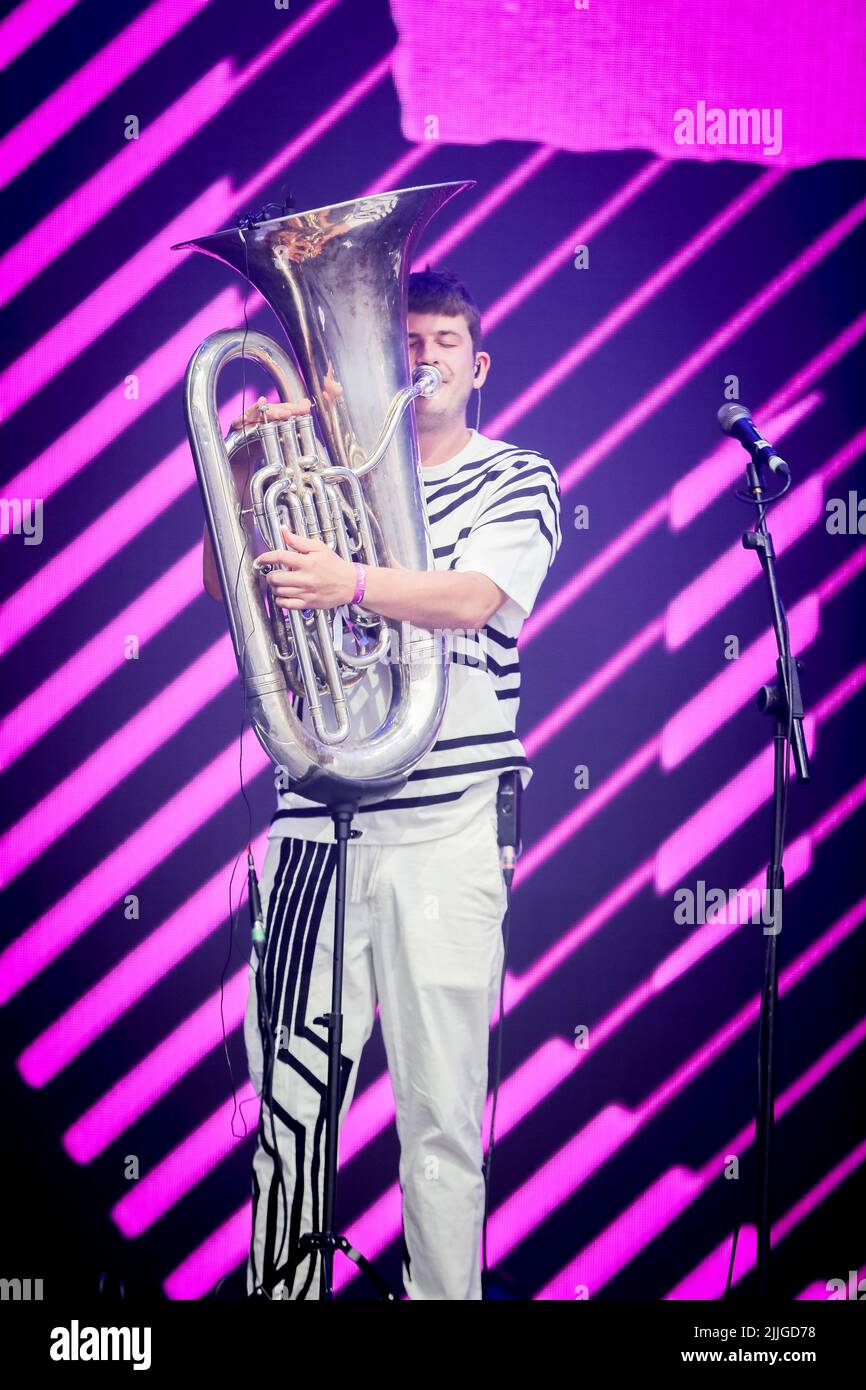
(631, 280)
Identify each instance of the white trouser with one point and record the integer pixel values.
(423, 937)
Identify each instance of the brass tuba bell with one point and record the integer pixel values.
(336, 278)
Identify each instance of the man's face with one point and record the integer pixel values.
(442, 341)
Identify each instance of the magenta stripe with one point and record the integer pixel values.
(691, 495)
(393, 176)
(699, 601)
(583, 579)
(589, 342)
(73, 796)
(100, 75)
(731, 574)
(155, 261)
(653, 400)
(167, 946)
(708, 1279)
(194, 1277)
(636, 1227)
(653, 1210)
(77, 910)
(540, 1075)
(99, 658)
(104, 422)
(94, 547)
(166, 1064)
(718, 818)
(589, 806)
(27, 23)
(485, 207)
(733, 687)
(187, 1164)
(701, 485)
(44, 243)
(589, 690)
(312, 133)
(694, 722)
(580, 235)
(128, 286)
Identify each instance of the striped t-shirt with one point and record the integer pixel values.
(493, 509)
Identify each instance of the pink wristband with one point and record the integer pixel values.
(361, 585)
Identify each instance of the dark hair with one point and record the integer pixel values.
(440, 292)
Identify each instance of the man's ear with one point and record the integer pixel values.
(482, 367)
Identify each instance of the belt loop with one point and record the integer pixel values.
(374, 868)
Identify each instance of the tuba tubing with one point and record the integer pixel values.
(318, 768)
(335, 278)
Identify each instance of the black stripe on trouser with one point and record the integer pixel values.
(294, 915)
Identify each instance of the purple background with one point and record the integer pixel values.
(677, 252)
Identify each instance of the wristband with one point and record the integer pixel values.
(361, 585)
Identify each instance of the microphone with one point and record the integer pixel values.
(736, 421)
(255, 906)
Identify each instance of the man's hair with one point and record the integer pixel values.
(440, 292)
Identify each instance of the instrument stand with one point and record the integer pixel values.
(782, 700)
(328, 1240)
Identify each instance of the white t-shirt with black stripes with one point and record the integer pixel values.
(493, 509)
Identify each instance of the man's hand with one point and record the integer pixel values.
(314, 575)
(277, 410)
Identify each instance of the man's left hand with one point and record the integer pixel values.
(314, 575)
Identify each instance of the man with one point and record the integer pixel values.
(425, 894)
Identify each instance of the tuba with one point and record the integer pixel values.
(336, 279)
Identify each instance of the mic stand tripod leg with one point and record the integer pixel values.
(327, 1240)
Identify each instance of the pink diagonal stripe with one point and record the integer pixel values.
(125, 750)
(126, 287)
(27, 23)
(486, 206)
(99, 658)
(155, 261)
(156, 1073)
(652, 400)
(106, 421)
(579, 235)
(539, 1075)
(98, 543)
(76, 911)
(700, 600)
(621, 1242)
(696, 721)
(631, 305)
(167, 946)
(44, 243)
(731, 573)
(101, 74)
(702, 484)
(708, 1279)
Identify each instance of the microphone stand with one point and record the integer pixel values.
(327, 1240)
(782, 701)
